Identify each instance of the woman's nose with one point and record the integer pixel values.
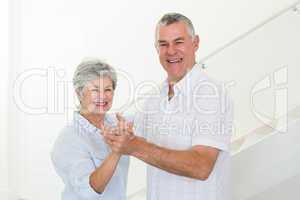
(101, 95)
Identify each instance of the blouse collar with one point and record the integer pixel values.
(84, 123)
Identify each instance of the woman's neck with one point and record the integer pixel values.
(95, 119)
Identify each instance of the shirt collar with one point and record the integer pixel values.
(185, 84)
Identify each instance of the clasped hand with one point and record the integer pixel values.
(119, 138)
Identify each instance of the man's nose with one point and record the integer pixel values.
(171, 50)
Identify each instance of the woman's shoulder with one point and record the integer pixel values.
(68, 136)
(68, 131)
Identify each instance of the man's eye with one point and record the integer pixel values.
(162, 44)
(179, 42)
(108, 90)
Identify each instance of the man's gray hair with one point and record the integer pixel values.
(171, 18)
(90, 70)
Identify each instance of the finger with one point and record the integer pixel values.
(120, 117)
(110, 130)
(105, 129)
(121, 123)
(111, 137)
(130, 124)
(102, 128)
(116, 131)
(109, 142)
(130, 127)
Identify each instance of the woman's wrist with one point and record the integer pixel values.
(115, 154)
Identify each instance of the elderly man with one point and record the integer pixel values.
(183, 132)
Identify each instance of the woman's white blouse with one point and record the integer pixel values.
(77, 152)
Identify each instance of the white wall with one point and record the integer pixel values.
(288, 189)
(261, 56)
(3, 100)
(268, 169)
(59, 33)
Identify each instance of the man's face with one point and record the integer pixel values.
(176, 50)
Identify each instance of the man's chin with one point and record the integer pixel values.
(175, 77)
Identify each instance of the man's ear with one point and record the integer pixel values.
(196, 42)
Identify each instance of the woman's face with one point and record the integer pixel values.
(97, 96)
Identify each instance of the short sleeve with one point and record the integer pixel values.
(213, 117)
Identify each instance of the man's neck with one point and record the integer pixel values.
(171, 91)
(174, 81)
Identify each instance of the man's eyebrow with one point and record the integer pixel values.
(176, 39)
(179, 38)
(161, 41)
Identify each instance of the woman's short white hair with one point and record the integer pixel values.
(90, 70)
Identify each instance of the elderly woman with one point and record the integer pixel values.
(89, 169)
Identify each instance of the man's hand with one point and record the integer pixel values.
(120, 138)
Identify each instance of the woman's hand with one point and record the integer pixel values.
(119, 138)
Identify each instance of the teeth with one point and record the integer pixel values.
(101, 103)
(174, 61)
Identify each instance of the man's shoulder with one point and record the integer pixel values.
(207, 89)
(207, 85)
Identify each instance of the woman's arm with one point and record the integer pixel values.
(74, 164)
(102, 175)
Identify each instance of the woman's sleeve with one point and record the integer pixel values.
(74, 165)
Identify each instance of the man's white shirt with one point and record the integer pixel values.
(199, 113)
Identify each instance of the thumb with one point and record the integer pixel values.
(120, 117)
(130, 126)
(102, 128)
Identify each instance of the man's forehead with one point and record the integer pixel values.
(172, 31)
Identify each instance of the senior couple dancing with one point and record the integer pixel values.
(182, 134)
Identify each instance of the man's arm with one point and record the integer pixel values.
(197, 162)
